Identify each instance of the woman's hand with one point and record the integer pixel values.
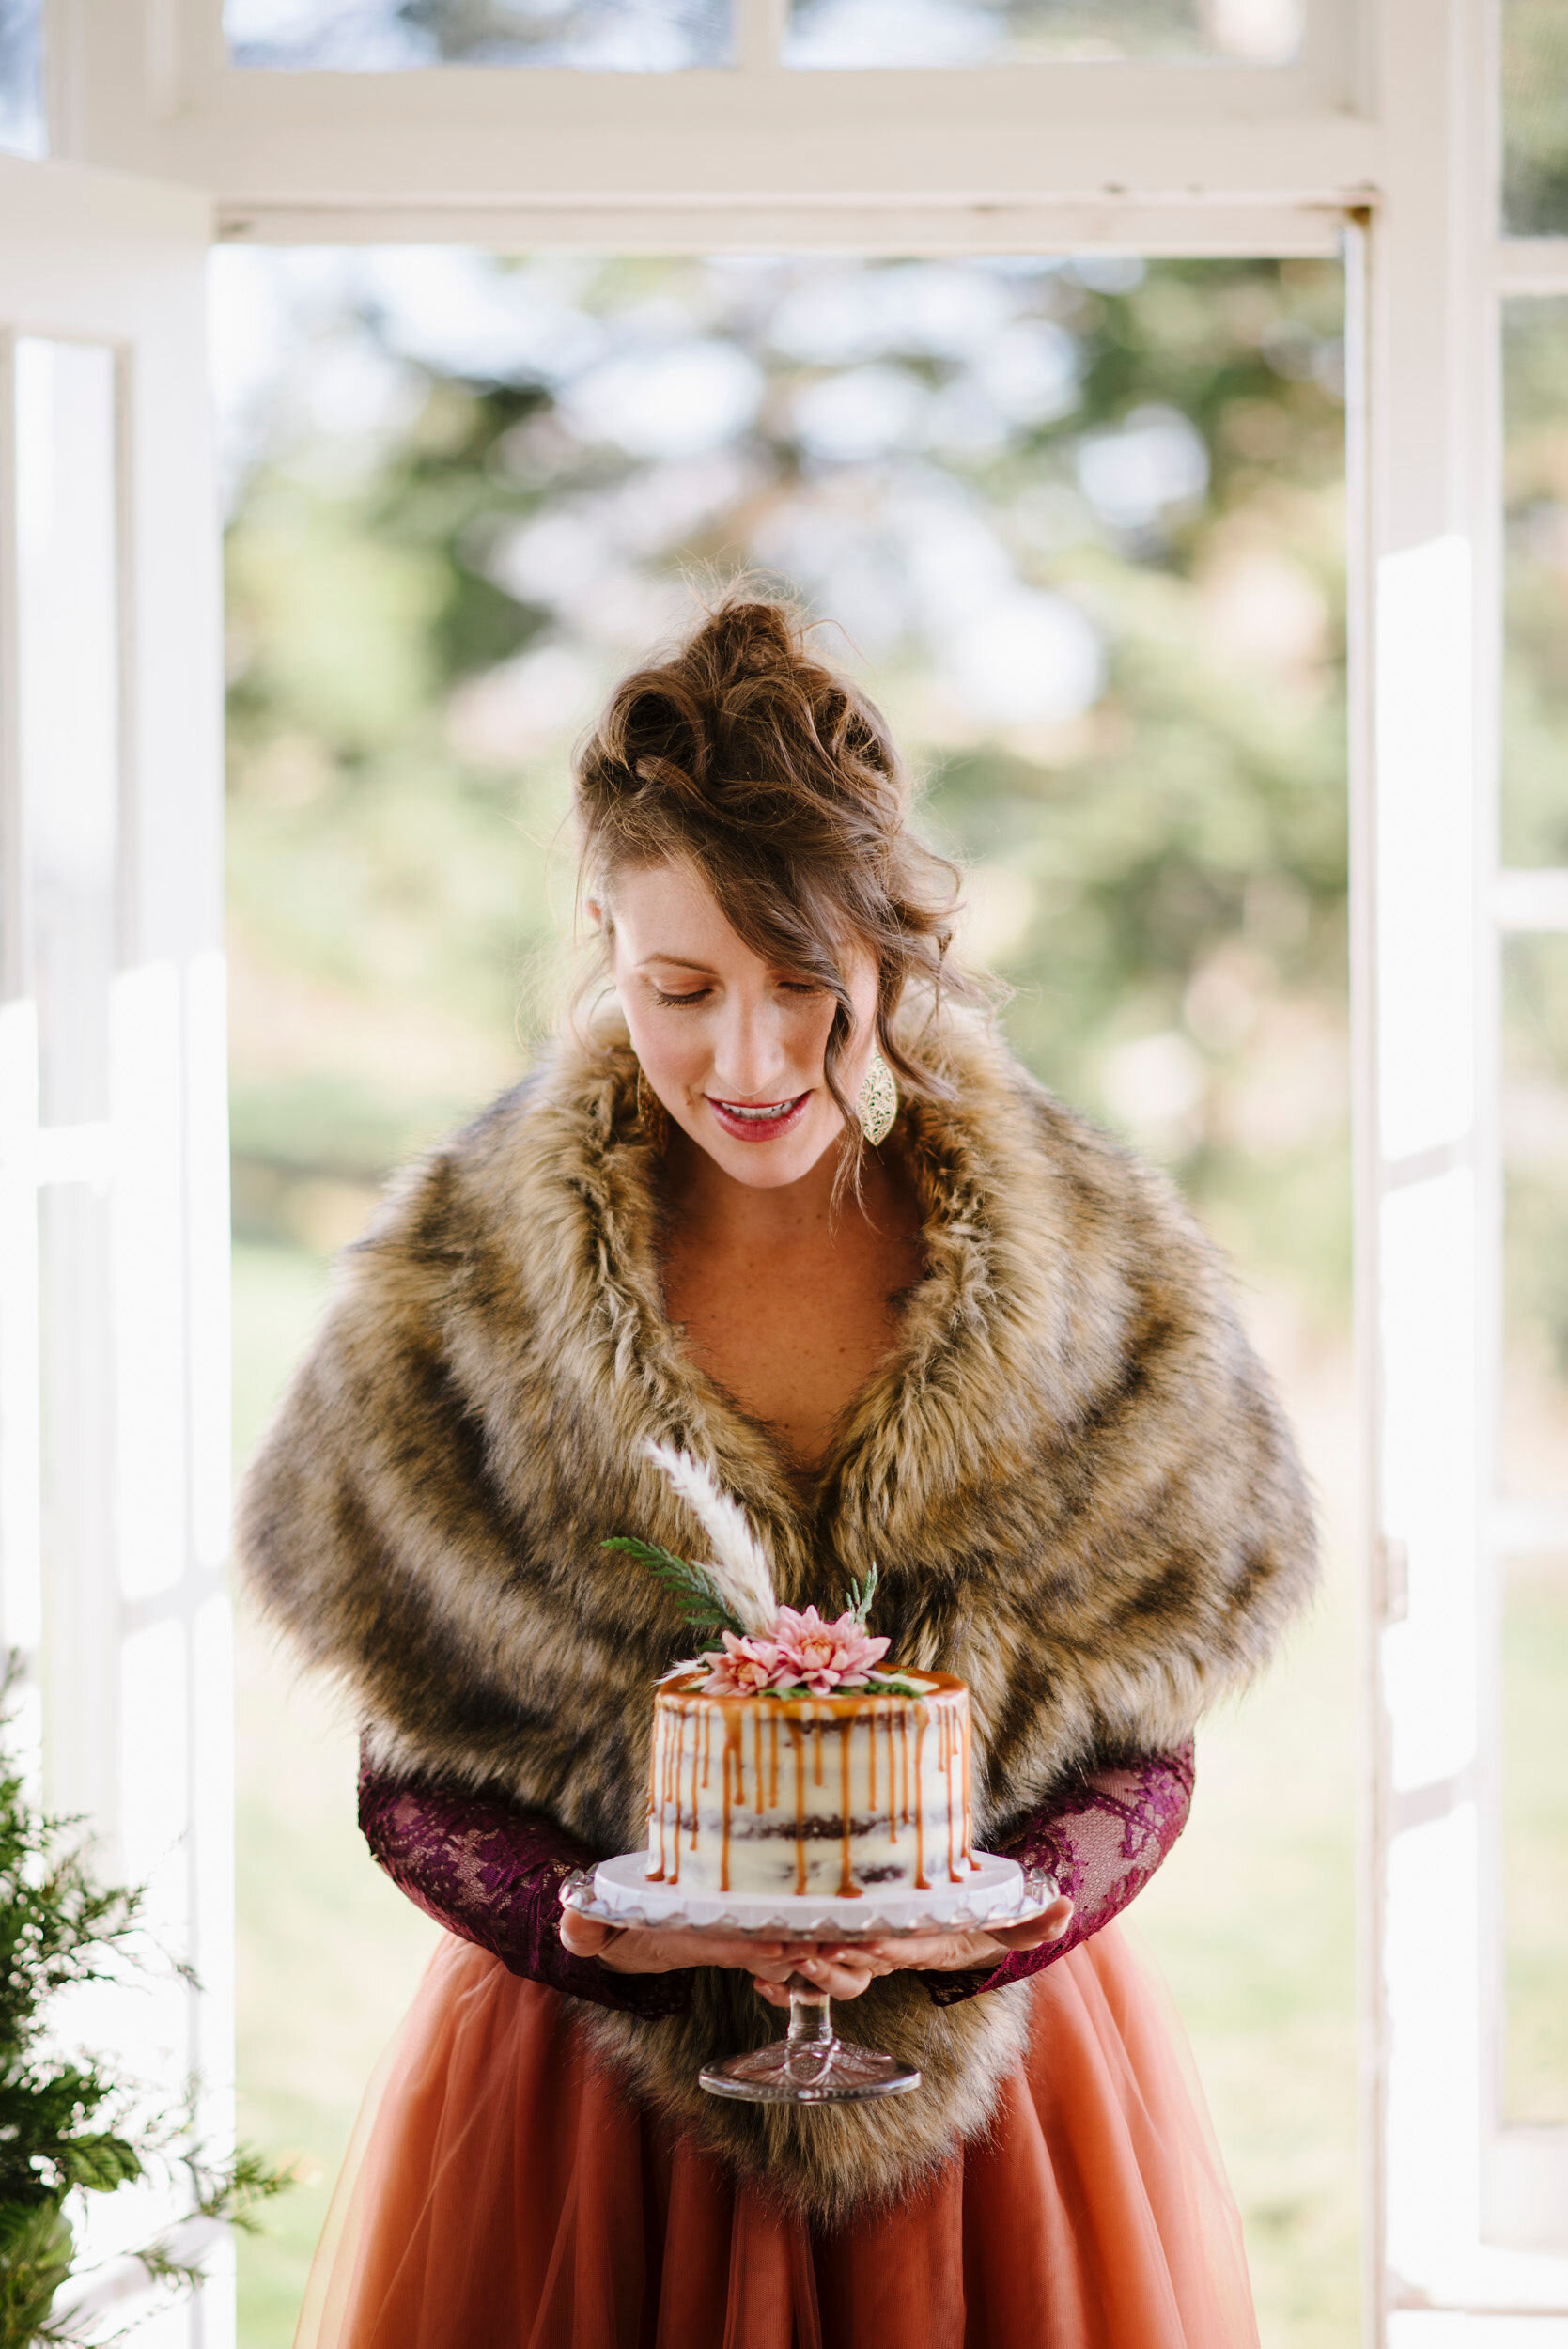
(922, 1953)
(668, 1948)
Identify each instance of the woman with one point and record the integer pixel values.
(791, 1206)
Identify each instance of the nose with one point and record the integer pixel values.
(749, 1057)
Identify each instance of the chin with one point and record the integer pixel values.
(770, 1165)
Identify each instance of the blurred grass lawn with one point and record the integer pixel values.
(1250, 1920)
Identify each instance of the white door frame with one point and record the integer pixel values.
(114, 1215)
(1385, 135)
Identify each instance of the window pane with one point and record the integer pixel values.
(68, 708)
(1535, 118)
(22, 125)
(1535, 677)
(1536, 1838)
(1534, 1446)
(391, 35)
(989, 32)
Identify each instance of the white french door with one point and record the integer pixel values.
(114, 1368)
(111, 1506)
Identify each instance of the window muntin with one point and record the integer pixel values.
(1535, 118)
(873, 32)
(394, 36)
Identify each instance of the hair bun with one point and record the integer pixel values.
(748, 638)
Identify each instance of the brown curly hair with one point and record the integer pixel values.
(781, 783)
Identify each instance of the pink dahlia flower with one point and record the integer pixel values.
(826, 1655)
(744, 1667)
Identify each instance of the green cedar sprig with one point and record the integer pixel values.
(858, 1597)
(694, 1586)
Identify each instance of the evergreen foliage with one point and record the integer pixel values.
(423, 613)
(695, 1588)
(70, 2124)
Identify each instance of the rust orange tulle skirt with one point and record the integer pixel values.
(501, 2193)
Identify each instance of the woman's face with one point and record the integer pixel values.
(733, 1048)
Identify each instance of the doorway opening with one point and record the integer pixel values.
(1080, 523)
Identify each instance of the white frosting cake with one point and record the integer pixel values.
(825, 1794)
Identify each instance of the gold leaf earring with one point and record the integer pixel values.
(652, 1115)
(877, 1102)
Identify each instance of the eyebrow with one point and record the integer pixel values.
(679, 962)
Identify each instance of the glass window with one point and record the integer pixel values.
(1535, 118)
(1534, 1473)
(1533, 1449)
(67, 660)
(1535, 687)
(390, 36)
(1535, 1838)
(21, 120)
(992, 32)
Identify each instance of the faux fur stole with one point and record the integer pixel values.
(1071, 1474)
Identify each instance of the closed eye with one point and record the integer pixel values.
(695, 996)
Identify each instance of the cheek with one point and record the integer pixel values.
(669, 1044)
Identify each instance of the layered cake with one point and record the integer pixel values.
(828, 1794)
(791, 1758)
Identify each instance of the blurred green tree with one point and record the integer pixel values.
(1079, 524)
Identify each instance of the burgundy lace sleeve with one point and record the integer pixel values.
(493, 1875)
(1102, 1839)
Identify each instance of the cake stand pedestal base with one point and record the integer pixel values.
(811, 2066)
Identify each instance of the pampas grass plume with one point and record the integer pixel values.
(739, 1566)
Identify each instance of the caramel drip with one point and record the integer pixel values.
(892, 1782)
(816, 1722)
(655, 1787)
(847, 1887)
(968, 1823)
(921, 1884)
(797, 1737)
(773, 1762)
(708, 1724)
(903, 1759)
(871, 1792)
(756, 1755)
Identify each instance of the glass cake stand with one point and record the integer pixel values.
(811, 2064)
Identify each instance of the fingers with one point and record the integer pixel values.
(838, 1973)
(834, 1978)
(1049, 1926)
(583, 1935)
(916, 1951)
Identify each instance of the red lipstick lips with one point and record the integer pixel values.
(758, 1121)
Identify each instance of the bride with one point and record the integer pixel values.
(782, 1198)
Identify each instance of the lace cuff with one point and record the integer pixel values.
(1102, 1839)
(493, 1876)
